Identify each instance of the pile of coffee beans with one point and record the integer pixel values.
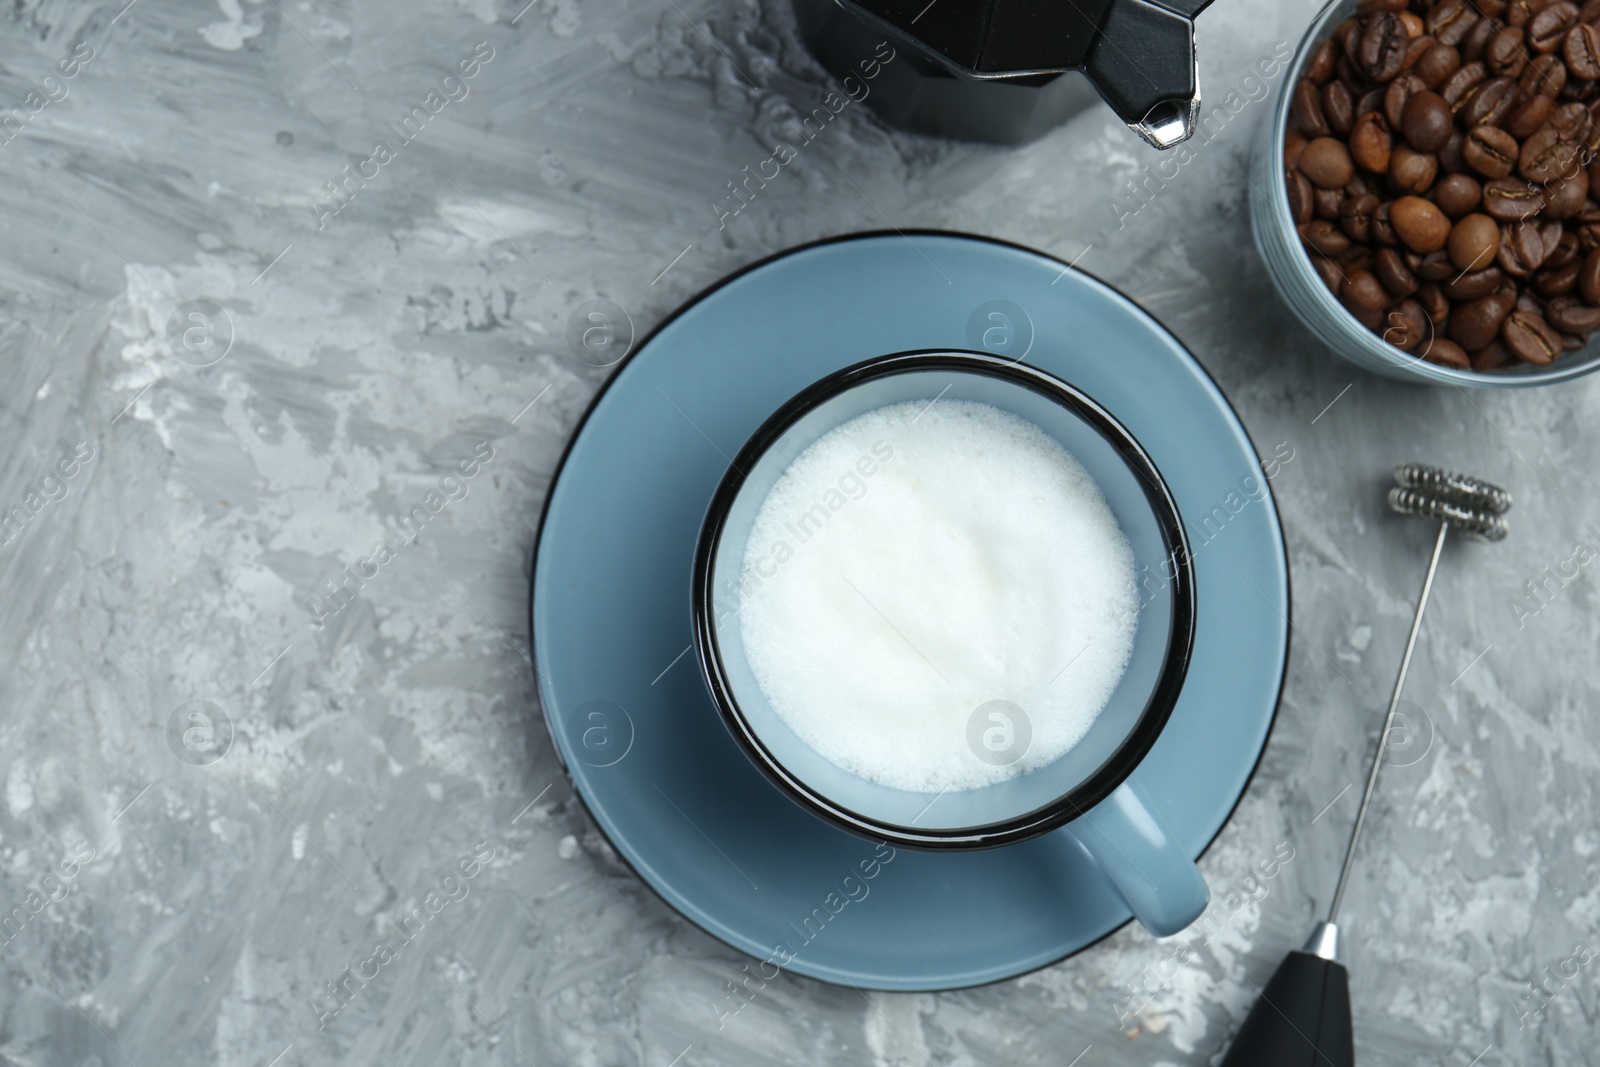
(1443, 165)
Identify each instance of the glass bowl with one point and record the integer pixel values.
(1302, 288)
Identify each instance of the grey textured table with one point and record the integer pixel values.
(175, 160)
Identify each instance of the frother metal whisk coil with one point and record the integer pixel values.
(1468, 504)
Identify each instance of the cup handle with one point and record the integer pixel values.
(1137, 852)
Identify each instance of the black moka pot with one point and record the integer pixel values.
(1006, 71)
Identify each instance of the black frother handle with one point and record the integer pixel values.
(1301, 1020)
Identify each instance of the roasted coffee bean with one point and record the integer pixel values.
(1370, 143)
(1487, 359)
(1570, 121)
(1407, 325)
(1450, 155)
(1520, 12)
(1327, 163)
(1436, 64)
(1567, 251)
(1549, 283)
(1372, 320)
(1449, 20)
(1473, 243)
(1420, 224)
(1392, 271)
(1446, 353)
(1362, 289)
(1300, 205)
(1545, 75)
(1477, 322)
(1489, 150)
(1455, 88)
(1530, 337)
(1355, 217)
(1395, 97)
(1529, 115)
(1504, 53)
(1545, 157)
(1360, 185)
(1418, 48)
(1564, 197)
(1348, 36)
(1472, 285)
(1338, 108)
(1383, 228)
(1325, 237)
(1411, 171)
(1415, 27)
(1325, 203)
(1382, 51)
(1591, 140)
(1521, 250)
(1435, 303)
(1327, 270)
(1306, 109)
(1319, 68)
(1476, 42)
(1293, 145)
(1548, 29)
(1590, 11)
(1511, 199)
(1358, 258)
(1425, 121)
(1572, 315)
(1550, 234)
(1434, 267)
(1372, 7)
(1490, 102)
(1457, 195)
(1589, 277)
(1582, 51)
(1526, 301)
(1577, 89)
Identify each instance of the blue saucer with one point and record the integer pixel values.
(622, 693)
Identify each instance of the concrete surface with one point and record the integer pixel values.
(169, 907)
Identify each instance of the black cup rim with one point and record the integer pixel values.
(1175, 664)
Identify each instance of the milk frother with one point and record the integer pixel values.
(1302, 1018)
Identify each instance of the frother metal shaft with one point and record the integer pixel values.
(1388, 723)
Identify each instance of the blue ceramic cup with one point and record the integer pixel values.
(1091, 792)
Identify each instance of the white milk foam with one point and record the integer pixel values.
(917, 562)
